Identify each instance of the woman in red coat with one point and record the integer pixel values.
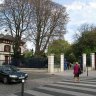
(76, 72)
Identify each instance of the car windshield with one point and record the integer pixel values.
(10, 68)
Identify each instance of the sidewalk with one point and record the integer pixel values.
(69, 73)
(66, 73)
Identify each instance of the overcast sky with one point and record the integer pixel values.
(1, 1)
(80, 12)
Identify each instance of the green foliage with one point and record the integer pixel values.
(28, 54)
(57, 61)
(61, 46)
(71, 57)
(58, 47)
(86, 43)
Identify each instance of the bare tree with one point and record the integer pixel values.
(41, 21)
(48, 22)
(15, 17)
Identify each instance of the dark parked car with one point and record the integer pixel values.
(9, 73)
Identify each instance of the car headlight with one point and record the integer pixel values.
(26, 74)
(13, 76)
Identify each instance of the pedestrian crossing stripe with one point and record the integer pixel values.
(81, 84)
(72, 87)
(12, 95)
(81, 79)
(84, 80)
(36, 93)
(64, 88)
(65, 91)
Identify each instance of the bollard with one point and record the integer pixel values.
(22, 88)
(87, 70)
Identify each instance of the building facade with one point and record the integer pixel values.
(6, 49)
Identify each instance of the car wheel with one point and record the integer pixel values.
(5, 80)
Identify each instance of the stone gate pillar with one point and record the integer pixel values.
(93, 60)
(51, 63)
(62, 62)
(84, 61)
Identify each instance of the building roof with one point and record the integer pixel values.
(1, 35)
(8, 37)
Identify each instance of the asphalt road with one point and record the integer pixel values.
(35, 79)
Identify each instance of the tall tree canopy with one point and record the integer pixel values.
(37, 20)
(15, 17)
(48, 22)
(86, 41)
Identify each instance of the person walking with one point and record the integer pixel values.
(76, 72)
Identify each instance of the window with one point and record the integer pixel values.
(19, 50)
(6, 59)
(7, 48)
